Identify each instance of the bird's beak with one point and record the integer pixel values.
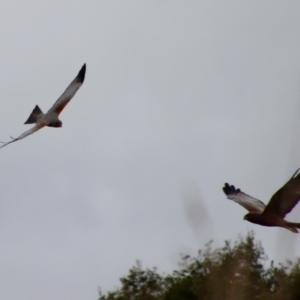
(245, 217)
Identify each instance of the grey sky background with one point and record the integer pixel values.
(179, 97)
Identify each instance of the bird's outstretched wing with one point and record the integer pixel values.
(32, 130)
(284, 200)
(69, 93)
(248, 202)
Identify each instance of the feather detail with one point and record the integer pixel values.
(248, 202)
(34, 115)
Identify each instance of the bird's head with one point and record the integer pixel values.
(57, 123)
(253, 217)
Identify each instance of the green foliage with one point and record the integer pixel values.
(235, 271)
(139, 284)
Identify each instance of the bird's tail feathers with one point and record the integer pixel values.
(293, 226)
(34, 115)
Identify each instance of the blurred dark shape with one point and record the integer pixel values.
(196, 213)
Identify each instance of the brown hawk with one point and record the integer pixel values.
(272, 214)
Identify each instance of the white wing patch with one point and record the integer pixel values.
(248, 202)
(69, 93)
(25, 134)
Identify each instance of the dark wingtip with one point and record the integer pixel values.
(225, 188)
(81, 73)
(230, 189)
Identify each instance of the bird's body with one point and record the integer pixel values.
(51, 118)
(271, 221)
(272, 214)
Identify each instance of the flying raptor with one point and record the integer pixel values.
(51, 117)
(272, 214)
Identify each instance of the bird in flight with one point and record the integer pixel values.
(51, 117)
(272, 214)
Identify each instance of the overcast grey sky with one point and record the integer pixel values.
(179, 97)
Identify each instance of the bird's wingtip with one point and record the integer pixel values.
(230, 189)
(81, 73)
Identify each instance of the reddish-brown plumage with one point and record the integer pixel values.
(272, 215)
